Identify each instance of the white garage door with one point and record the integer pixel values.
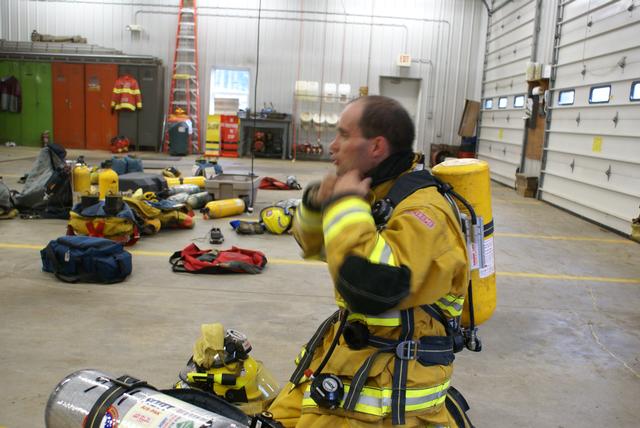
(591, 163)
(510, 41)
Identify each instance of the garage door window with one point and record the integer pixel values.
(488, 103)
(600, 94)
(502, 102)
(566, 98)
(518, 101)
(635, 91)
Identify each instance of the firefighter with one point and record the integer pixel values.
(385, 357)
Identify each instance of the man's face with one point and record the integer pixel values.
(349, 149)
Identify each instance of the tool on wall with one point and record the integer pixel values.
(185, 87)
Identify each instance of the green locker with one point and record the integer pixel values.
(10, 124)
(37, 113)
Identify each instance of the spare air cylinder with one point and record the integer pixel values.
(81, 400)
(470, 179)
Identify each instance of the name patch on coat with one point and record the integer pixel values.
(424, 219)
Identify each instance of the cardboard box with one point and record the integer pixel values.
(526, 186)
(469, 119)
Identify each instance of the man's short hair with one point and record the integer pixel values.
(383, 116)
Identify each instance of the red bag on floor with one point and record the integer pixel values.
(194, 260)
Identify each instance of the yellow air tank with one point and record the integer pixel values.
(470, 179)
(224, 208)
(107, 181)
(198, 181)
(81, 179)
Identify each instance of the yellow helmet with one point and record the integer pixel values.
(276, 219)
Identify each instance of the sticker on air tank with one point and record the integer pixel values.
(162, 411)
(489, 268)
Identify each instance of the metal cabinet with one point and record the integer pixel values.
(37, 110)
(68, 104)
(101, 123)
(10, 123)
(143, 127)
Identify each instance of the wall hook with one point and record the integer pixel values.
(608, 173)
(578, 120)
(572, 164)
(615, 120)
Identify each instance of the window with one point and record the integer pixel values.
(502, 102)
(229, 83)
(600, 94)
(635, 91)
(488, 103)
(566, 98)
(518, 101)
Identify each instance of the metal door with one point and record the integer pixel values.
(101, 123)
(37, 114)
(127, 119)
(510, 46)
(150, 117)
(10, 122)
(68, 104)
(591, 160)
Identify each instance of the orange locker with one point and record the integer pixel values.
(101, 123)
(68, 104)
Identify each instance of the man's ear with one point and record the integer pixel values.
(381, 148)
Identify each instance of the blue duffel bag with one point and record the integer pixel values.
(86, 259)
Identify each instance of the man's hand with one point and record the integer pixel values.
(324, 192)
(351, 182)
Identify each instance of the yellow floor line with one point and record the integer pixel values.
(569, 277)
(563, 238)
(319, 264)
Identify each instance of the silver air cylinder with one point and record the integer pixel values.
(74, 397)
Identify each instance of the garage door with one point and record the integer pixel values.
(591, 163)
(510, 41)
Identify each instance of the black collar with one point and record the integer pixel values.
(391, 167)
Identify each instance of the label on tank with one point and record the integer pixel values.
(489, 268)
(161, 411)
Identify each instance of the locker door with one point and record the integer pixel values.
(68, 104)
(128, 120)
(10, 122)
(150, 117)
(37, 115)
(101, 123)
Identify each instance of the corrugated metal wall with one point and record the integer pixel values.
(360, 40)
(591, 163)
(510, 45)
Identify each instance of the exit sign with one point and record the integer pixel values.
(404, 60)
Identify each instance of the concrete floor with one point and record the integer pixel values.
(562, 349)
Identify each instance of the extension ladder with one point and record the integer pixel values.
(184, 96)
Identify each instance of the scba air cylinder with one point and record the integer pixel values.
(470, 179)
(71, 405)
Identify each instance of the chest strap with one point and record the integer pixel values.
(310, 348)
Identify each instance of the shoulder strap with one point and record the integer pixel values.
(409, 183)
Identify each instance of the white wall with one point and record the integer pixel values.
(445, 38)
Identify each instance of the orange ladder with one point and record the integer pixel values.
(184, 96)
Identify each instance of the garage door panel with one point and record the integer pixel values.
(611, 175)
(509, 153)
(508, 10)
(577, 8)
(602, 20)
(516, 19)
(619, 96)
(501, 171)
(599, 122)
(571, 74)
(508, 87)
(602, 147)
(623, 38)
(497, 41)
(515, 68)
(565, 201)
(509, 53)
(500, 133)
